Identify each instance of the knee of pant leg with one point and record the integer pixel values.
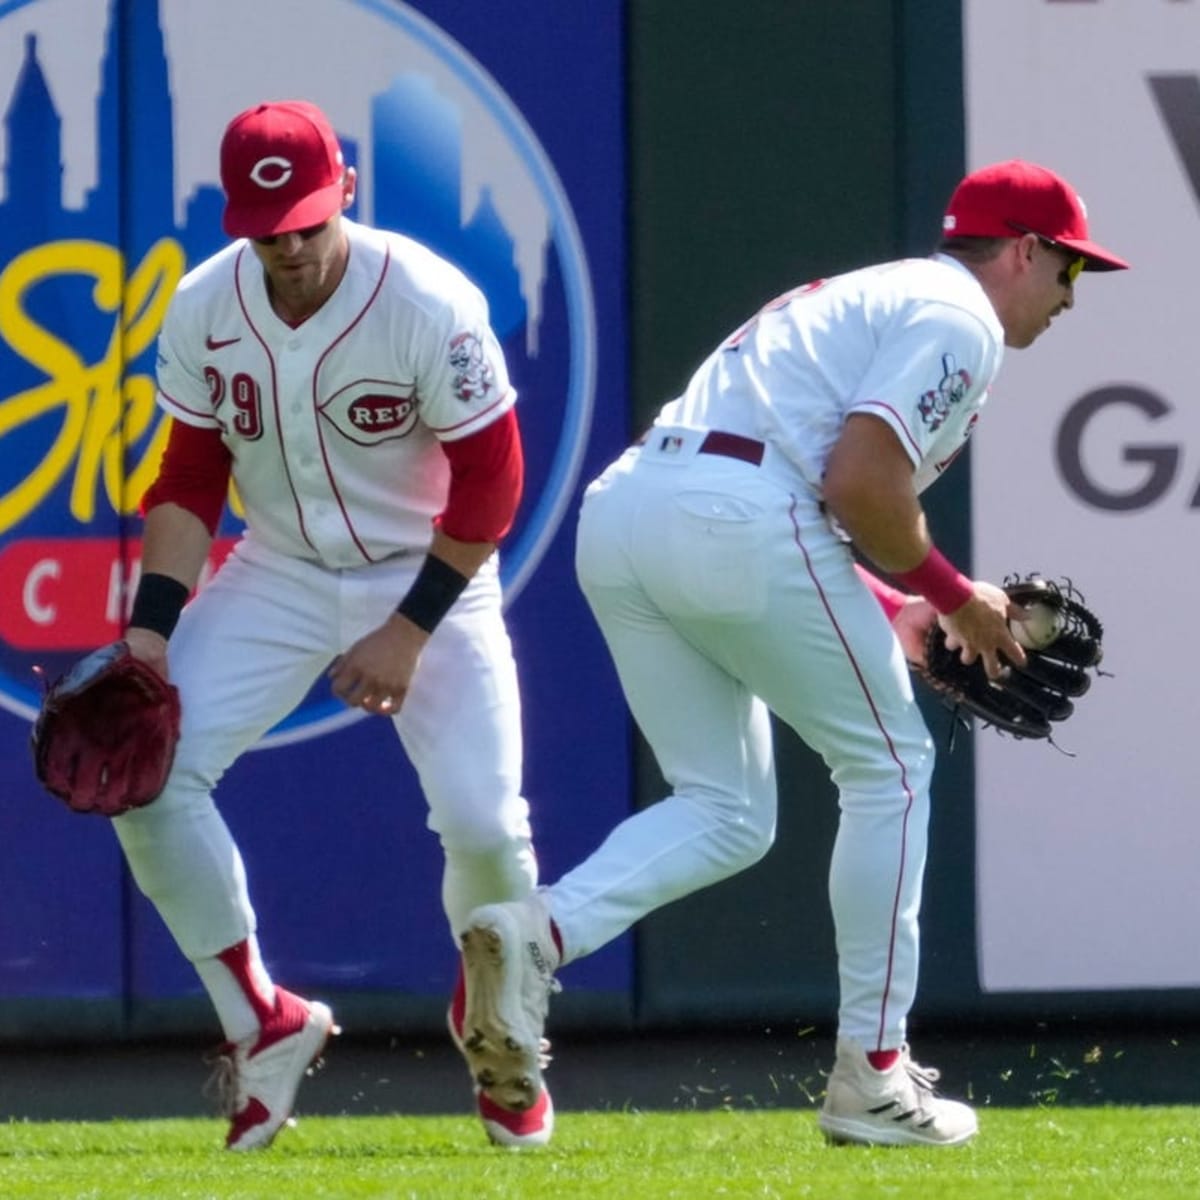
(153, 838)
(739, 832)
(499, 848)
(143, 826)
(474, 819)
(754, 840)
(885, 779)
(484, 831)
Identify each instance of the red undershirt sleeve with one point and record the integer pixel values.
(487, 475)
(194, 474)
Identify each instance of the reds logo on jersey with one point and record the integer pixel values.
(370, 412)
(474, 376)
(935, 405)
(381, 412)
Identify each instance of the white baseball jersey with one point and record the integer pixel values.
(334, 425)
(858, 342)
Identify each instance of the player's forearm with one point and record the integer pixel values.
(896, 539)
(176, 544)
(898, 542)
(868, 487)
(465, 557)
(443, 576)
(882, 517)
(174, 549)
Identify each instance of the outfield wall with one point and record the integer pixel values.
(628, 183)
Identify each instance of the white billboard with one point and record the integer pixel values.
(1087, 464)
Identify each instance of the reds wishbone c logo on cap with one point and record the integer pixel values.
(272, 172)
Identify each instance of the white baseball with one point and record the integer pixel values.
(1040, 625)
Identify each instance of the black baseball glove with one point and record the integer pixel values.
(105, 738)
(1063, 646)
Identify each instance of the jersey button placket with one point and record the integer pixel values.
(312, 489)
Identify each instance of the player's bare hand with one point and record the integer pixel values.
(149, 647)
(911, 626)
(375, 673)
(979, 630)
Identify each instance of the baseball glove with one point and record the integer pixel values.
(1062, 640)
(105, 738)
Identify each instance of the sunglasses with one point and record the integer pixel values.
(1072, 270)
(306, 235)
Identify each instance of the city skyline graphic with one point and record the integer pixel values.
(83, 286)
(416, 134)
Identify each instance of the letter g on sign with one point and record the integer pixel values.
(271, 172)
(1157, 462)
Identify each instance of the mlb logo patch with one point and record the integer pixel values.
(670, 444)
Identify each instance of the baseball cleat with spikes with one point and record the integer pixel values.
(509, 958)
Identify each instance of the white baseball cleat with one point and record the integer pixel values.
(256, 1080)
(516, 1130)
(897, 1107)
(509, 958)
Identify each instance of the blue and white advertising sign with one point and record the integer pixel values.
(500, 144)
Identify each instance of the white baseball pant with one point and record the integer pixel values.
(723, 593)
(245, 653)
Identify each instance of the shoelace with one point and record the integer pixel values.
(221, 1087)
(923, 1077)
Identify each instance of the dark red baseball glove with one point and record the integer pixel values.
(105, 738)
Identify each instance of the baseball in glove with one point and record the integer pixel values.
(1062, 639)
(105, 738)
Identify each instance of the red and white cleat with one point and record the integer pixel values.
(256, 1080)
(517, 1130)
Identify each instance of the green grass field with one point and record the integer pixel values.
(1053, 1153)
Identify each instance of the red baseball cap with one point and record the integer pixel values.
(281, 168)
(1010, 198)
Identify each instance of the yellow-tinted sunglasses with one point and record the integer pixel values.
(1071, 272)
(1074, 267)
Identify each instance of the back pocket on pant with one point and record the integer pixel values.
(713, 560)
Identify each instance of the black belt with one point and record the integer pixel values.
(727, 445)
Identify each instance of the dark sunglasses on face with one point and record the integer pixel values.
(1073, 269)
(305, 235)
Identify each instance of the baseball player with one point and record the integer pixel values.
(717, 556)
(348, 380)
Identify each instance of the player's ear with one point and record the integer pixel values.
(349, 187)
(1026, 246)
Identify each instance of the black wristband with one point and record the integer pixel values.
(432, 594)
(157, 604)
